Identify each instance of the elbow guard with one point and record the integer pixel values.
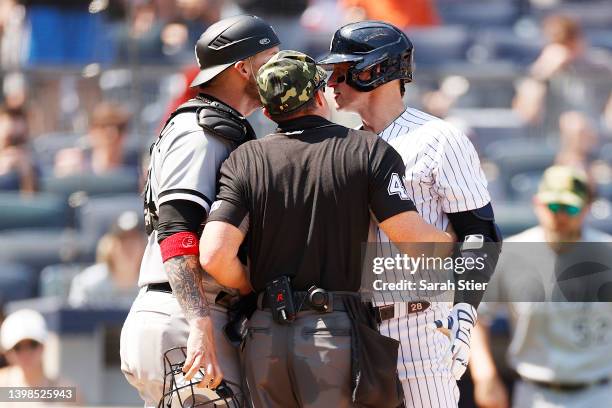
(481, 243)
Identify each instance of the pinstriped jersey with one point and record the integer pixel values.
(185, 163)
(443, 175)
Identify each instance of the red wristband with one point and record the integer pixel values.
(181, 243)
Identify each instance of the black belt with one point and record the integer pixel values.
(301, 303)
(568, 387)
(159, 287)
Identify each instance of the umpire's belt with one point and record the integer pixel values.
(300, 300)
(395, 310)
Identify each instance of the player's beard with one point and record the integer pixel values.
(251, 89)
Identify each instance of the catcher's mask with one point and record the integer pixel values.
(180, 393)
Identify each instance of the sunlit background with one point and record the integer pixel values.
(87, 85)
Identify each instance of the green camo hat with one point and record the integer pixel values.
(288, 80)
(564, 185)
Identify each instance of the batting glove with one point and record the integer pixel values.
(458, 328)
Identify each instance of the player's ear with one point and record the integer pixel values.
(319, 98)
(240, 67)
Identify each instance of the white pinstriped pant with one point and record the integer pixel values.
(427, 383)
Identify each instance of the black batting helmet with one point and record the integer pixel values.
(230, 40)
(180, 393)
(367, 44)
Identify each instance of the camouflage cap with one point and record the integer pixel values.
(288, 80)
(564, 185)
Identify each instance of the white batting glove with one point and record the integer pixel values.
(458, 328)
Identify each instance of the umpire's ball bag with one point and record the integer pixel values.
(374, 378)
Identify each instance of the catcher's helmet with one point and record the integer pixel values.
(230, 40)
(180, 393)
(369, 43)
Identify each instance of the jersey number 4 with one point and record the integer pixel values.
(396, 186)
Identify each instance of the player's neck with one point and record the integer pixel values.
(381, 111)
(234, 98)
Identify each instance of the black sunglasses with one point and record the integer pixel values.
(26, 345)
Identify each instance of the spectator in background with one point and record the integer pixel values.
(180, 34)
(112, 281)
(17, 171)
(542, 97)
(401, 13)
(578, 139)
(561, 350)
(284, 16)
(140, 41)
(197, 16)
(23, 334)
(12, 16)
(106, 138)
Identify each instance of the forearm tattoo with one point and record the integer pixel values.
(185, 277)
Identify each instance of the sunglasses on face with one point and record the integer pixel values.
(570, 210)
(26, 345)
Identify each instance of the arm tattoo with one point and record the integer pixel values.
(185, 277)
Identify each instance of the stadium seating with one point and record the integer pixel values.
(42, 210)
(38, 247)
(474, 14)
(520, 164)
(489, 126)
(513, 218)
(503, 44)
(46, 146)
(96, 214)
(439, 44)
(17, 281)
(116, 182)
(55, 280)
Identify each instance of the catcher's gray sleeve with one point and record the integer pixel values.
(190, 166)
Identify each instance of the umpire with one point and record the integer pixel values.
(302, 199)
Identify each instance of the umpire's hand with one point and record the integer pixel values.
(201, 353)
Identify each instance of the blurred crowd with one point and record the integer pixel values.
(86, 85)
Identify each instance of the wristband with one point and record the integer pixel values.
(181, 243)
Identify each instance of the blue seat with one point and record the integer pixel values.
(520, 164)
(116, 182)
(46, 146)
(17, 282)
(42, 210)
(439, 44)
(38, 248)
(55, 280)
(503, 44)
(479, 14)
(97, 214)
(514, 217)
(600, 38)
(490, 126)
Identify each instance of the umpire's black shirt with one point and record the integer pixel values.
(308, 190)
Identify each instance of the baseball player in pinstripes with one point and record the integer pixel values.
(371, 62)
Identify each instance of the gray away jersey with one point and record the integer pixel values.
(184, 165)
